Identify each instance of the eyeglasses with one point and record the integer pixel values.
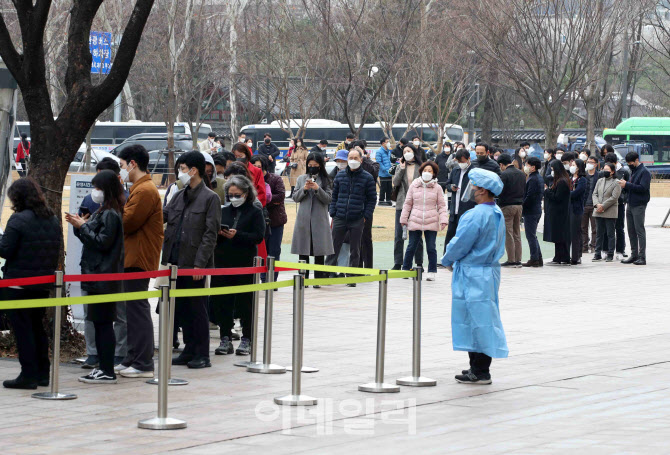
(230, 195)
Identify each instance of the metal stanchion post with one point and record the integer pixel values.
(258, 262)
(378, 386)
(296, 398)
(173, 285)
(416, 380)
(304, 368)
(55, 361)
(162, 421)
(267, 367)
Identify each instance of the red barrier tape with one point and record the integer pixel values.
(220, 272)
(283, 269)
(49, 279)
(116, 276)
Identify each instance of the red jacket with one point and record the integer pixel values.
(259, 182)
(22, 153)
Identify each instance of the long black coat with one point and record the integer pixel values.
(557, 213)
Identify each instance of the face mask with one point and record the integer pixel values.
(558, 156)
(632, 166)
(427, 176)
(618, 166)
(409, 156)
(341, 165)
(463, 166)
(526, 169)
(323, 149)
(220, 176)
(237, 201)
(353, 164)
(240, 140)
(299, 144)
(573, 169)
(567, 167)
(482, 159)
(522, 154)
(546, 155)
(98, 196)
(590, 166)
(249, 144)
(607, 174)
(124, 174)
(416, 143)
(583, 157)
(446, 150)
(241, 160)
(552, 174)
(184, 178)
(313, 170)
(347, 142)
(267, 141)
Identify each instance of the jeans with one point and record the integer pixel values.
(512, 214)
(273, 244)
(530, 223)
(412, 245)
(605, 225)
(340, 229)
(636, 231)
(140, 326)
(120, 331)
(479, 363)
(385, 189)
(587, 218)
(399, 244)
(366, 245)
(192, 315)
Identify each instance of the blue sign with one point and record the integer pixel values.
(100, 45)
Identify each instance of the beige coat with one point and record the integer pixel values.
(607, 193)
(299, 157)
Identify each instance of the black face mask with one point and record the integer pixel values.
(632, 167)
(267, 141)
(313, 170)
(241, 160)
(607, 174)
(482, 159)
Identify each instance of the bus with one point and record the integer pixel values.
(335, 132)
(653, 133)
(107, 135)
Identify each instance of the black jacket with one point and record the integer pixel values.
(267, 151)
(514, 187)
(250, 226)
(453, 181)
(488, 165)
(396, 153)
(354, 195)
(591, 181)
(557, 213)
(372, 167)
(30, 245)
(316, 149)
(102, 240)
(578, 195)
(532, 198)
(443, 173)
(638, 187)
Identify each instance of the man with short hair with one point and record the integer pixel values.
(483, 160)
(510, 202)
(209, 145)
(345, 145)
(383, 157)
(143, 238)
(638, 196)
(321, 148)
(193, 219)
(458, 182)
(242, 138)
(399, 150)
(592, 176)
(270, 151)
(532, 209)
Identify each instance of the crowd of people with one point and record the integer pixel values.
(227, 207)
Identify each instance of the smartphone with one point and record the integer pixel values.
(225, 227)
(312, 179)
(84, 211)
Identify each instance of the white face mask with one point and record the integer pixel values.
(416, 143)
(583, 157)
(237, 201)
(125, 174)
(184, 178)
(546, 155)
(573, 169)
(353, 164)
(526, 169)
(98, 196)
(427, 176)
(463, 166)
(558, 156)
(552, 174)
(409, 156)
(590, 166)
(220, 176)
(567, 167)
(342, 165)
(522, 154)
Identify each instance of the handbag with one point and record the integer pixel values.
(394, 193)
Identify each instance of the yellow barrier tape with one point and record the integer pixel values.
(327, 268)
(87, 299)
(347, 280)
(402, 274)
(230, 289)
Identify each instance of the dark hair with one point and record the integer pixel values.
(523, 144)
(298, 139)
(323, 142)
(194, 159)
(382, 140)
(136, 153)
(219, 160)
(551, 152)
(416, 137)
(612, 166)
(351, 136)
(567, 156)
(607, 148)
(25, 194)
(267, 134)
(236, 168)
(403, 141)
(211, 134)
(241, 133)
(239, 147)
(24, 141)
(264, 162)
(560, 174)
(359, 143)
(462, 154)
(322, 166)
(109, 184)
(504, 159)
(631, 157)
(581, 167)
(417, 155)
(109, 164)
(177, 163)
(432, 165)
(535, 162)
(450, 145)
(483, 144)
(611, 158)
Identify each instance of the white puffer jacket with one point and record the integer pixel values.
(424, 208)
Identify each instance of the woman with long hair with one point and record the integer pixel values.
(102, 239)
(243, 155)
(557, 216)
(298, 162)
(30, 247)
(406, 173)
(577, 199)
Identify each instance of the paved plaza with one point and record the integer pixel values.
(588, 372)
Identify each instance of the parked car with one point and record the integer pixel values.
(77, 165)
(155, 141)
(158, 161)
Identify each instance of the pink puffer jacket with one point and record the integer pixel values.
(424, 208)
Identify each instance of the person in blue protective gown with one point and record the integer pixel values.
(473, 255)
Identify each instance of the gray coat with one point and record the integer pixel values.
(400, 179)
(312, 221)
(607, 193)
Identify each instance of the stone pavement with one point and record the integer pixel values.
(588, 372)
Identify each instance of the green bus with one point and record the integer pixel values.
(654, 131)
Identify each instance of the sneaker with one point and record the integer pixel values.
(244, 348)
(610, 258)
(98, 377)
(554, 263)
(118, 368)
(131, 372)
(618, 256)
(90, 363)
(316, 286)
(507, 264)
(397, 267)
(430, 276)
(225, 347)
(471, 378)
(597, 258)
(351, 285)
(234, 335)
(517, 265)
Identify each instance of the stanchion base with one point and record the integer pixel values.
(378, 387)
(416, 381)
(266, 369)
(173, 381)
(157, 423)
(54, 396)
(296, 400)
(304, 369)
(246, 364)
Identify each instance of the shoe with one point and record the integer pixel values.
(430, 276)
(175, 345)
(43, 380)
(244, 347)
(182, 359)
(351, 285)
(532, 263)
(21, 382)
(517, 265)
(316, 286)
(333, 275)
(213, 326)
(565, 262)
(577, 262)
(508, 264)
(471, 378)
(640, 261)
(119, 367)
(597, 258)
(225, 347)
(397, 267)
(624, 255)
(610, 258)
(234, 335)
(440, 266)
(91, 362)
(541, 262)
(618, 256)
(98, 377)
(554, 263)
(201, 362)
(131, 372)
(630, 260)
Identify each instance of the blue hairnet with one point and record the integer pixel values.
(342, 155)
(486, 179)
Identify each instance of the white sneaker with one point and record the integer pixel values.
(97, 377)
(618, 257)
(430, 276)
(120, 367)
(131, 372)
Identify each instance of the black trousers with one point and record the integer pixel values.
(341, 228)
(225, 308)
(318, 260)
(605, 226)
(105, 343)
(451, 230)
(479, 363)
(576, 236)
(619, 233)
(31, 338)
(366, 245)
(192, 315)
(561, 252)
(140, 326)
(385, 189)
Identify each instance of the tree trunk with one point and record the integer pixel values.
(590, 124)
(487, 116)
